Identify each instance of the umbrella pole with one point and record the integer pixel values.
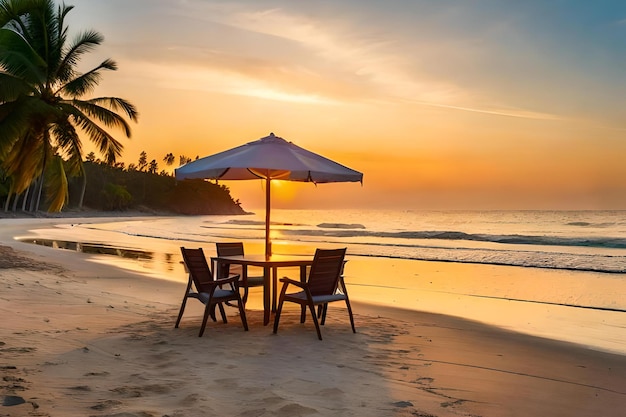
(268, 244)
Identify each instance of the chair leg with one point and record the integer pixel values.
(350, 314)
(180, 314)
(222, 312)
(244, 299)
(207, 312)
(213, 317)
(302, 313)
(324, 309)
(242, 313)
(281, 300)
(317, 325)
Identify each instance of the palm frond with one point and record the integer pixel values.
(117, 104)
(56, 184)
(75, 166)
(109, 147)
(41, 29)
(83, 43)
(12, 14)
(108, 117)
(87, 81)
(12, 87)
(13, 125)
(69, 143)
(61, 13)
(19, 59)
(17, 118)
(24, 160)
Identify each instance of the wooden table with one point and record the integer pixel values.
(270, 266)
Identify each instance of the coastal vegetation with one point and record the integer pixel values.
(45, 113)
(43, 109)
(136, 187)
(141, 187)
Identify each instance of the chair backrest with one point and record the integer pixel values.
(198, 268)
(325, 271)
(228, 249)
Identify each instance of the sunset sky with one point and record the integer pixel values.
(466, 104)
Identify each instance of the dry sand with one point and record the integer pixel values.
(84, 339)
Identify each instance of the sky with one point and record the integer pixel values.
(462, 105)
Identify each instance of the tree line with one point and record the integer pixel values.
(123, 188)
(138, 186)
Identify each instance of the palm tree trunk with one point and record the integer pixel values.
(6, 203)
(25, 198)
(39, 191)
(33, 199)
(43, 167)
(15, 200)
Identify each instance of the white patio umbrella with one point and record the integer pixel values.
(269, 158)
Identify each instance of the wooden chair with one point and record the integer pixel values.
(224, 269)
(209, 291)
(324, 285)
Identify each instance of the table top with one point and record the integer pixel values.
(262, 260)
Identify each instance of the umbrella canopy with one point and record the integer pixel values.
(268, 158)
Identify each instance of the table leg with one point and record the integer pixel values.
(266, 295)
(274, 288)
(244, 280)
(303, 273)
(303, 280)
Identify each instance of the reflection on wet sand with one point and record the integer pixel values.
(93, 248)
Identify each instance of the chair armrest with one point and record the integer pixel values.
(229, 280)
(342, 286)
(293, 282)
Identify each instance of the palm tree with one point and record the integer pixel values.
(143, 161)
(41, 105)
(169, 159)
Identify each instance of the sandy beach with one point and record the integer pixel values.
(80, 338)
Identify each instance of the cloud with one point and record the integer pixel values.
(367, 62)
(458, 57)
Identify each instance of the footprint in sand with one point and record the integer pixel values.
(103, 373)
(295, 410)
(13, 383)
(424, 381)
(106, 405)
(84, 388)
(330, 393)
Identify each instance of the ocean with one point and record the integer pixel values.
(558, 274)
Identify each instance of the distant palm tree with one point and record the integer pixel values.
(184, 160)
(169, 159)
(143, 161)
(41, 110)
(153, 167)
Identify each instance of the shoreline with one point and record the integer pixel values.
(433, 286)
(87, 338)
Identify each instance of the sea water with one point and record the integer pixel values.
(559, 274)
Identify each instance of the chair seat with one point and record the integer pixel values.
(317, 299)
(219, 293)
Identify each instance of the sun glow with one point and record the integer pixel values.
(283, 192)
